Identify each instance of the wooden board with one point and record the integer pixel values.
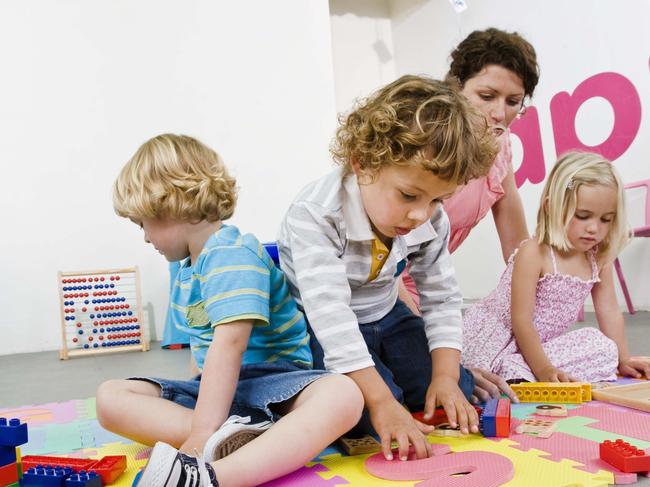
(635, 396)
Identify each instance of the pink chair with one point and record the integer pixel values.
(642, 231)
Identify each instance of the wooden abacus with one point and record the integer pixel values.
(101, 312)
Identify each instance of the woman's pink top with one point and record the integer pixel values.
(470, 203)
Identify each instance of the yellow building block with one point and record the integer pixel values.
(562, 392)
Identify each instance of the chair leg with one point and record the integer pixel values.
(621, 280)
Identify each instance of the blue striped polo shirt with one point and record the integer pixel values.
(235, 279)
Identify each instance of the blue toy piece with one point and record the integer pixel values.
(272, 249)
(45, 477)
(84, 479)
(7, 455)
(12, 432)
(488, 418)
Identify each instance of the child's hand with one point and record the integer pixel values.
(444, 391)
(634, 367)
(553, 374)
(392, 421)
(490, 386)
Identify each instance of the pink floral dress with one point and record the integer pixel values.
(488, 341)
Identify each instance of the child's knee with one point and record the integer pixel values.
(348, 397)
(107, 396)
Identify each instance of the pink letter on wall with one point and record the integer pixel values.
(532, 165)
(625, 102)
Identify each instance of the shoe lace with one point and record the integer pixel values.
(203, 474)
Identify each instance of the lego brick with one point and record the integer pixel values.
(495, 419)
(624, 456)
(45, 477)
(110, 467)
(554, 392)
(12, 432)
(84, 479)
(439, 416)
(7, 455)
(359, 446)
(76, 464)
(8, 474)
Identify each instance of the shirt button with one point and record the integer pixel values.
(380, 256)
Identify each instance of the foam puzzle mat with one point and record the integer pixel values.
(569, 458)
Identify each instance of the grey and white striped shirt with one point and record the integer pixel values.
(325, 245)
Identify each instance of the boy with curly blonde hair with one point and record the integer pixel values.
(347, 237)
(249, 341)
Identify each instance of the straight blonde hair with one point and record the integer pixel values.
(559, 199)
(177, 177)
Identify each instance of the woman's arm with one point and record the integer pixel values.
(525, 275)
(611, 323)
(509, 217)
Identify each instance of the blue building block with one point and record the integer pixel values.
(45, 477)
(12, 432)
(7, 455)
(488, 418)
(84, 479)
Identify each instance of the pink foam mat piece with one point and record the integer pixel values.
(306, 476)
(480, 468)
(43, 414)
(573, 448)
(616, 419)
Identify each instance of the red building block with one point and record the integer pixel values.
(624, 456)
(110, 468)
(76, 464)
(439, 416)
(8, 474)
(503, 418)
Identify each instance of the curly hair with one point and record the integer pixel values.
(493, 46)
(416, 120)
(177, 177)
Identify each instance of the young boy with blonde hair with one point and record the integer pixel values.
(249, 341)
(347, 237)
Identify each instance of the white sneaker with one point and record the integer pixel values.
(167, 467)
(234, 433)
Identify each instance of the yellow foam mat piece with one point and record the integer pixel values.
(531, 470)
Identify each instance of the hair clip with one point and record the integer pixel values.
(569, 185)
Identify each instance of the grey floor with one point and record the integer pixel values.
(37, 378)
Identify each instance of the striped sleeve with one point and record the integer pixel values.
(440, 296)
(311, 254)
(235, 284)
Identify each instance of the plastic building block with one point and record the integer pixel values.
(84, 479)
(45, 477)
(12, 432)
(624, 456)
(75, 464)
(536, 427)
(109, 468)
(7, 455)
(359, 446)
(551, 410)
(439, 416)
(559, 392)
(8, 474)
(495, 418)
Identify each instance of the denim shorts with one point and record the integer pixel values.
(398, 345)
(260, 386)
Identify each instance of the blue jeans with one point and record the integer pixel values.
(399, 348)
(260, 386)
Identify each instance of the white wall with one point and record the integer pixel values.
(84, 83)
(574, 41)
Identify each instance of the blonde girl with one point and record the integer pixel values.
(519, 331)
